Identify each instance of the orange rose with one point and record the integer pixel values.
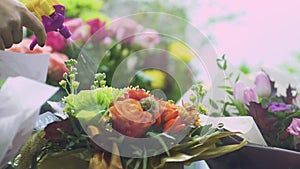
(137, 94)
(130, 119)
(174, 118)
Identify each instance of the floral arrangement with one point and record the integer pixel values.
(107, 127)
(277, 115)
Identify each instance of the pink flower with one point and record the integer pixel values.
(56, 41)
(23, 47)
(81, 34)
(147, 39)
(249, 95)
(80, 31)
(262, 85)
(95, 25)
(124, 29)
(74, 24)
(294, 128)
(238, 90)
(57, 66)
(244, 94)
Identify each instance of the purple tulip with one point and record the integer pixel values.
(238, 90)
(279, 107)
(244, 94)
(294, 128)
(262, 85)
(249, 95)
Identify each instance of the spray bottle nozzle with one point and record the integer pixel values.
(54, 22)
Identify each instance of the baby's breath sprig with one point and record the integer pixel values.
(197, 97)
(70, 84)
(99, 81)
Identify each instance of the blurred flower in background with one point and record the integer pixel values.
(148, 38)
(181, 51)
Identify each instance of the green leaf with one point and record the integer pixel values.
(230, 92)
(222, 63)
(237, 78)
(130, 161)
(161, 140)
(137, 164)
(145, 159)
(225, 87)
(213, 104)
(2, 82)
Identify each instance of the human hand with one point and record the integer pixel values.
(13, 16)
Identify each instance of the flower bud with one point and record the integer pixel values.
(294, 128)
(262, 85)
(238, 90)
(249, 95)
(63, 84)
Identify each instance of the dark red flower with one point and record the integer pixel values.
(54, 130)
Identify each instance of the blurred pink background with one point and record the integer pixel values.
(262, 32)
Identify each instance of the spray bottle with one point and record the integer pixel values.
(52, 15)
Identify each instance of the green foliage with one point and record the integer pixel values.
(231, 103)
(82, 8)
(222, 63)
(245, 68)
(197, 97)
(2, 82)
(96, 100)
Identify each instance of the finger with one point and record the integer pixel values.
(2, 47)
(17, 34)
(7, 39)
(33, 23)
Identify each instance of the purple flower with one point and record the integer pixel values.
(262, 85)
(238, 91)
(244, 94)
(249, 95)
(294, 128)
(279, 107)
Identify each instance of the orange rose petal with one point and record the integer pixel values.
(130, 119)
(169, 124)
(158, 118)
(137, 94)
(170, 115)
(178, 128)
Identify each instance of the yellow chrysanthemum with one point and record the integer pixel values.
(181, 51)
(159, 78)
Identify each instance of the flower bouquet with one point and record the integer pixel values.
(107, 127)
(274, 108)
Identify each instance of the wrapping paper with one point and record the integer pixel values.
(20, 98)
(33, 66)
